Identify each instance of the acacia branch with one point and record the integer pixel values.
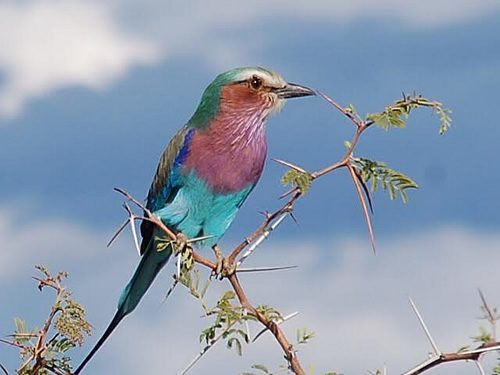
(272, 220)
(439, 358)
(469, 355)
(272, 326)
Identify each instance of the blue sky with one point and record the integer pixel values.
(90, 93)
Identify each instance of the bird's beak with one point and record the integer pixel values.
(292, 90)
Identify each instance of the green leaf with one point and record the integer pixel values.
(300, 180)
(234, 341)
(351, 109)
(270, 313)
(262, 368)
(20, 325)
(379, 174)
(304, 335)
(483, 337)
(396, 114)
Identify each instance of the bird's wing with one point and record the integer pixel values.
(164, 186)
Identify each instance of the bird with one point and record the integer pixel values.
(206, 172)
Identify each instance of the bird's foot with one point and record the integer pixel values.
(223, 268)
(181, 243)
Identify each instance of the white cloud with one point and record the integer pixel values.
(419, 14)
(356, 302)
(52, 44)
(25, 243)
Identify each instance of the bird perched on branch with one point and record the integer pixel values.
(207, 171)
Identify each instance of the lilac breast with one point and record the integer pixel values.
(227, 157)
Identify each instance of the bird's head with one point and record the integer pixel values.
(248, 91)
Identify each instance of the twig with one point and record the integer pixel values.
(491, 316)
(439, 358)
(205, 349)
(12, 343)
(262, 237)
(272, 221)
(436, 360)
(117, 233)
(273, 327)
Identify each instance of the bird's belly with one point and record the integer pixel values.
(198, 210)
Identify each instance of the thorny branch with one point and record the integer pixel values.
(273, 220)
(438, 357)
(43, 350)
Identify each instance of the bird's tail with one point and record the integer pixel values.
(151, 263)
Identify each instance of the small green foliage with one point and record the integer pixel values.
(191, 279)
(395, 115)
(304, 335)
(347, 145)
(71, 322)
(228, 320)
(483, 337)
(270, 313)
(162, 243)
(381, 175)
(298, 179)
(351, 109)
(260, 368)
(42, 351)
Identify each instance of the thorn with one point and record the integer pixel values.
(117, 233)
(491, 317)
(294, 218)
(289, 192)
(265, 269)
(134, 235)
(178, 263)
(285, 318)
(257, 241)
(364, 206)
(480, 368)
(290, 165)
(247, 326)
(199, 239)
(4, 369)
(266, 214)
(365, 189)
(424, 327)
(171, 289)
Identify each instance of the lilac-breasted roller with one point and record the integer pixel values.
(207, 171)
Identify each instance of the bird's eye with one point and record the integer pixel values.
(255, 82)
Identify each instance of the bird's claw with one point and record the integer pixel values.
(223, 268)
(181, 243)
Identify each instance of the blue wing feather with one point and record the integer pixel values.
(166, 183)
